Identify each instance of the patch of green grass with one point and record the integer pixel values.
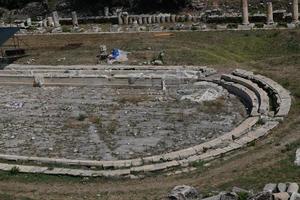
(283, 171)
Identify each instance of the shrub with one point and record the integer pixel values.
(14, 170)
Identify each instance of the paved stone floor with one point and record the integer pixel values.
(109, 123)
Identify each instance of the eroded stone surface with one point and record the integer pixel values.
(108, 124)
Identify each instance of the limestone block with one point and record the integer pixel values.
(281, 196)
(281, 187)
(295, 196)
(184, 192)
(293, 188)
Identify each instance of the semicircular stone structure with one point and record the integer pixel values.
(266, 101)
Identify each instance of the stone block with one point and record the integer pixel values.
(295, 196)
(270, 187)
(243, 27)
(297, 160)
(293, 188)
(281, 187)
(281, 196)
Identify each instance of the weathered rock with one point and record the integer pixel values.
(183, 192)
(293, 188)
(281, 187)
(216, 197)
(297, 161)
(261, 196)
(295, 196)
(270, 187)
(281, 196)
(228, 196)
(240, 190)
(38, 81)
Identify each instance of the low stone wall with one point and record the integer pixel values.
(247, 96)
(260, 93)
(280, 96)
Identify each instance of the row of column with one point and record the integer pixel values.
(150, 19)
(53, 21)
(270, 20)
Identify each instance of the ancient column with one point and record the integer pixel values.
(145, 20)
(295, 11)
(168, 18)
(120, 20)
(154, 19)
(173, 18)
(28, 22)
(245, 12)
(50, 21)
(74, 19)
(189, 18)
(130, 20)
(150, 19)
(157, 18)
(140, 20)
(162, 19)
(125, 19)
(270, 19)
(106, 11)
(55, 19)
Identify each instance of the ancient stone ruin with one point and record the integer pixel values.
(129, 121)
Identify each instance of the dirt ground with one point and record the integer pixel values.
(275, 54)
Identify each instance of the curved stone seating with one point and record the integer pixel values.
(281, 97)
(260, 93)
(245, 85)
(247, 96)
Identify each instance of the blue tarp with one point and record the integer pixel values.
(6, 33)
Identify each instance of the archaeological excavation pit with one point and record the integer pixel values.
(126, 120)
(115, 122)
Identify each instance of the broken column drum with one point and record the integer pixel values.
(245, 12)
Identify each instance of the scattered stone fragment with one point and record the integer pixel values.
(228, 196)
(281, 196)
(261, 196)
(183, 192)
(240, 190)
(270, 187)
(216, 197)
